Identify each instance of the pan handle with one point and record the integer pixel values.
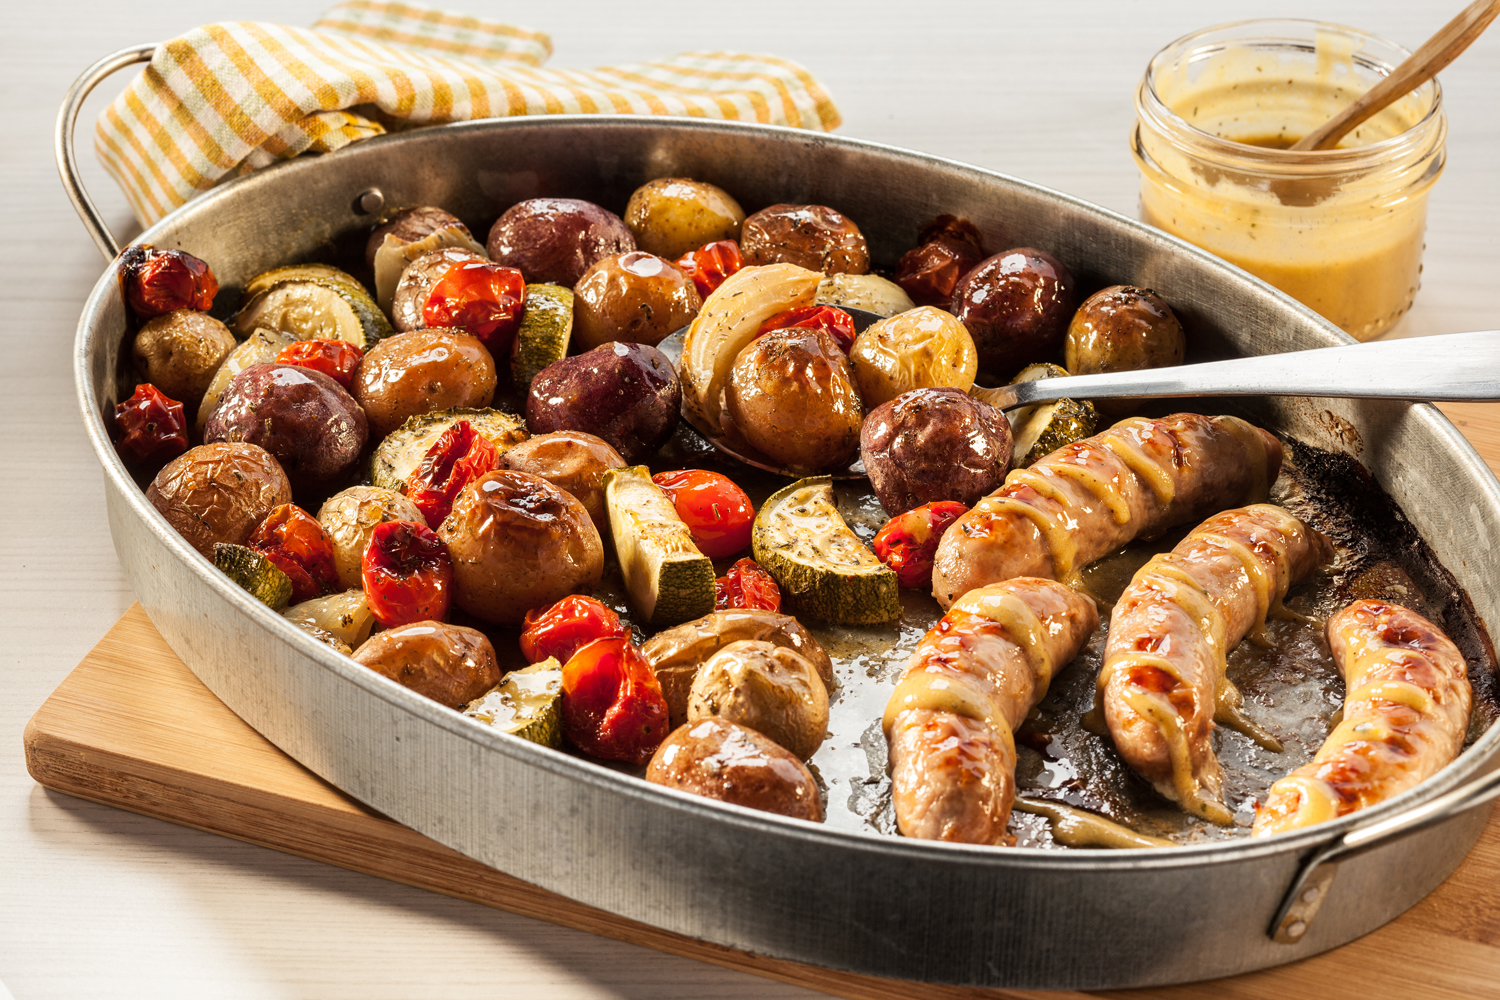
(1310, 887)
(67, 162)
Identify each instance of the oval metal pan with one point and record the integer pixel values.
(882, 906)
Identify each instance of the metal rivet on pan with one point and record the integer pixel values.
(1297, 929)
(1311, 895)
(369, 202)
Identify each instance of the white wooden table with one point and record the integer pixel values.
(100, 903)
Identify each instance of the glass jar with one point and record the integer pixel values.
(1340, 230)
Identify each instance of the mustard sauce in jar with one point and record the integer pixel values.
(1339, 230)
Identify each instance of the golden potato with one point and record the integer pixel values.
(423, 371)
(791, 394)
(673, 215)
(179, 352)
(717, 759)
(633, 297)
(765, 687)
(918, 349)
(349, 519)
(219, 492)
(450, 664)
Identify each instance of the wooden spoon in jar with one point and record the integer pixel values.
(1424, 64)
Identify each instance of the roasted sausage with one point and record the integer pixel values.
(968, 684)
(1162, 683)
(1087, 499)
(1405, 714)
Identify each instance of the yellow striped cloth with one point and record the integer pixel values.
(227, 98)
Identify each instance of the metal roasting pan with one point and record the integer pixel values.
(884, 906)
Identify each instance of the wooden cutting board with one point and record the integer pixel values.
(132, 727)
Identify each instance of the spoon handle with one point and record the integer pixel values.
(1454, 366)
(1424, 64)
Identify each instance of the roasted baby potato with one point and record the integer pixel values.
(791, 394)
(450, 664)
(1121, 329)
(417, 281)
(812, 236)
(934, 444)
(1017, 305)
(219, 492)
(717, 759)
(421, 372)
(518, 543)
(634, 297)
(767, 688)
(627, 394)
(556, 239)
(314, 428)
(350, 517)
(677, 653)
(671, 216)
(916, 349)
(574, 462)
(179, 352)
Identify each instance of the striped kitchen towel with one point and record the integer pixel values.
(228, 98)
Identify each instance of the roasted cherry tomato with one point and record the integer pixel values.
(716, 511)
(407, 574)
(566, 627)
(149, 426)
(908, 541)
(612, 704)
(294, 540)
(747, 586)
(338, 359)
(457, 458)
(837, 322)
(158, 281)
(710, 264)
(485, 299)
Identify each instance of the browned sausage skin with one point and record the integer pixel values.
(1162, 683)
(1405, 714)
(968, 684)
(1085, 500)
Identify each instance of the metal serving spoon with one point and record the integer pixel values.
(1450, 367)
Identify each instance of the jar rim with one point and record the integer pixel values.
(1151, 107)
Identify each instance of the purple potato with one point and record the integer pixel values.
(1017, 305)
(627, 394)
(302, 417)
(934, 444)
(557, 239)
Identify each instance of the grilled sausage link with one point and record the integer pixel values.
(1406, 710)
(968, 684)
(1162, 683)
(1087, 499)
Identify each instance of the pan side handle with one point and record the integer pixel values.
(1310, 887)
(67, 162)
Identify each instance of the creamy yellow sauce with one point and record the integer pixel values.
(1347, 244)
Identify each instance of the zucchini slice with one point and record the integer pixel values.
(546, 328)
(526, 703)
(1052, 425)
(260, 346)
(315, 309)
(818, 561)
(667, 579)
(255, 573)
(402, 450)
(267, 280)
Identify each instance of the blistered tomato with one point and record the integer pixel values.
(838, 323)
(338, 359)
(407, 574)
(159, 281)
(747, 586)
(294, 540)
(908, 541)
(485, 299)
(458, 457)
(612, 705)
(710, 264)
(566, 627)
(149, 426)
(715, 510)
